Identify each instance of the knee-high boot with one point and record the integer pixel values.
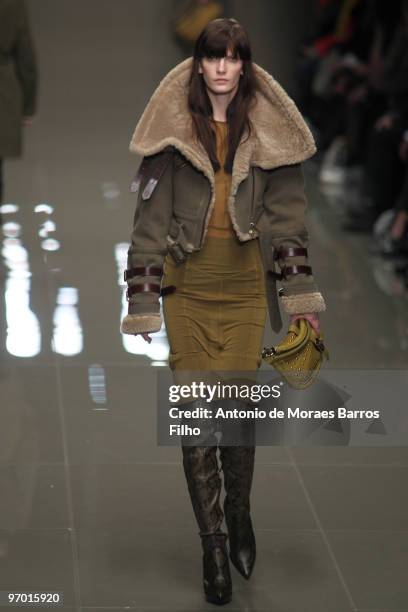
(238, 467)
(204, 485)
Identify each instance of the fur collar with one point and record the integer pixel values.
(280, 135)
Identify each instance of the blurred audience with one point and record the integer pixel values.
(352, 87)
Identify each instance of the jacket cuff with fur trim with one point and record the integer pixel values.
(299, 292)
(285, 205)
(147, 250)
(303, 302)
(139, 324)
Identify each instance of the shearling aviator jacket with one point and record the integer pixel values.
(175, 198)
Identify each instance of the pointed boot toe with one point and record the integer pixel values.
(244, 562)
(242, 544)
(238, 468)
(216, 572)
(204, 484)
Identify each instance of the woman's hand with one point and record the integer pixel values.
(312, 317)
(145, 336)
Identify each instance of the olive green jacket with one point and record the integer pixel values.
(175, 196)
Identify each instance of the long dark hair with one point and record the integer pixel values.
(219, 36)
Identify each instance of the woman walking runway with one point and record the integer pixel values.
(221, 201)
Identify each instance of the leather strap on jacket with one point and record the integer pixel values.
(142, 287)
(140, 173)
(168, 289)
(149, 287)
(287, 270)
(142, 271)
(158, 167)
(289, 252)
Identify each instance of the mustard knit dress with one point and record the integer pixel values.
(215, 319)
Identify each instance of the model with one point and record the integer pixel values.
(220, 201)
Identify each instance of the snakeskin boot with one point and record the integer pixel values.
(238, 466)
(204, 485)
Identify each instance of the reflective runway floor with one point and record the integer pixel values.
(90, 505)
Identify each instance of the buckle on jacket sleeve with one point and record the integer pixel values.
(283, 252)
(287, 270)
(143, 271)
(142, 287)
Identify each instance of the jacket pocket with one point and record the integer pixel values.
(177, 243)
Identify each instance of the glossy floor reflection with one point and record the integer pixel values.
(89, 504)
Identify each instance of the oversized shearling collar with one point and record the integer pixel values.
(280, 135)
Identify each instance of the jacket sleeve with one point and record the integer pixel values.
(285, 205)
(148, 245)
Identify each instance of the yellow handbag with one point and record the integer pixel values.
(299, 356)
(193, 19)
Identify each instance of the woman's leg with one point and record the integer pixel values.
(243, 325)
(238, 468)
(215, 322)
(204, 485)
(186, 328)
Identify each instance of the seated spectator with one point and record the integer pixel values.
(383, 168)
(355, 97)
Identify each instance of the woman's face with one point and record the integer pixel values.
(221, 74)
